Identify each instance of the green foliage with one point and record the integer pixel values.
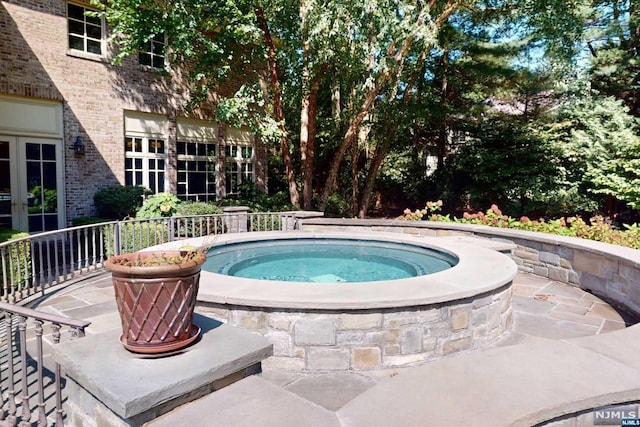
(246, 108)
(159, 205)
(136, 235)
(190, 227)
(598, 228)
(265, 223)
(337, 207)
(601, 145)
(118, 201)
(18, 264)
(7, 234)
(87, 220)
(197, 208)
(258, 201)
(420, 75)
(505, 161)
(612, 38)
(47, 202)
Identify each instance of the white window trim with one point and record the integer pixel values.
(211, 160)
(84, 53)
(146, 155)
(239, 161)
(152, 54)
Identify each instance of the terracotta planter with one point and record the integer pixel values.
(156, 302)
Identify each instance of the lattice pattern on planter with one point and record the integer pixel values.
(156, 311)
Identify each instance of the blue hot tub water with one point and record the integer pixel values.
(326, 260)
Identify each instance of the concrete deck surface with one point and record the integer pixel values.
(553, 323)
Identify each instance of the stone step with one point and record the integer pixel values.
(517, 385)
(250, 402)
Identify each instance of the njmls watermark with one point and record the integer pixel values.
(619, 415)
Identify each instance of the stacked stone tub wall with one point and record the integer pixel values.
(338, 340)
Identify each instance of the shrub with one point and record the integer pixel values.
(197, 208)
(118, 201)
(47, 201)
(337, 207)
(598, 228)
(136, 235)
(198, 226)
(17, 257)
(7, 234)
(159, 205)
(266, 223)
(258, 201)
(87, 220)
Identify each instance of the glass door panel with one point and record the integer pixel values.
(42, 186)
(6, 211)
(31, 184)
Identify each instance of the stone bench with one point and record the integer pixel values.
(523, 385)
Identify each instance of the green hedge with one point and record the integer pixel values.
(119, 201)
(18, 264)
(135, 236)
(88, 220)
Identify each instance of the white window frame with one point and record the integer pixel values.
(86, 38)
(210, 175)
(145, 155)
(238, 164)
(150, 51)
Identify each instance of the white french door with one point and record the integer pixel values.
(31, 183)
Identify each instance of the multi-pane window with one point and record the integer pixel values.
(196, 171)
(239, 167)
(153, 52)
(85, 32)
(145, 162)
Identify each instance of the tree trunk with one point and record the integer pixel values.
(307, 143)
(348, 139)
(397, 56)
(443, 136)
(336, 109)
(634, 28)
(376, 162)
(383, 148)
(278, 110)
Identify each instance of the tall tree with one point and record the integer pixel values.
(614, 44)
(378, 52)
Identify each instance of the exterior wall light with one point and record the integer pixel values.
(78, 147)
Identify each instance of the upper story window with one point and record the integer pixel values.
(85, 32)
(153, 53)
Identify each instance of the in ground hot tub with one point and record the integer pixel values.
(329, 323)
(326, 260)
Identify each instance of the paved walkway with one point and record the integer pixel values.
(544, 311)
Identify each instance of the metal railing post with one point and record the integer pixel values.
(117, 244)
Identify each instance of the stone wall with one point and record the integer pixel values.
(609, 271)
(328, 340)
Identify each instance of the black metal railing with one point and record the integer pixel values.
(31, 383)
(31, 389)
(29, 265)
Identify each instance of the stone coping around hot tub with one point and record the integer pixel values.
(609, 271)
(478, 271)
(445, 229)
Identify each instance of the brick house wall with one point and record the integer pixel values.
(36, 63)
